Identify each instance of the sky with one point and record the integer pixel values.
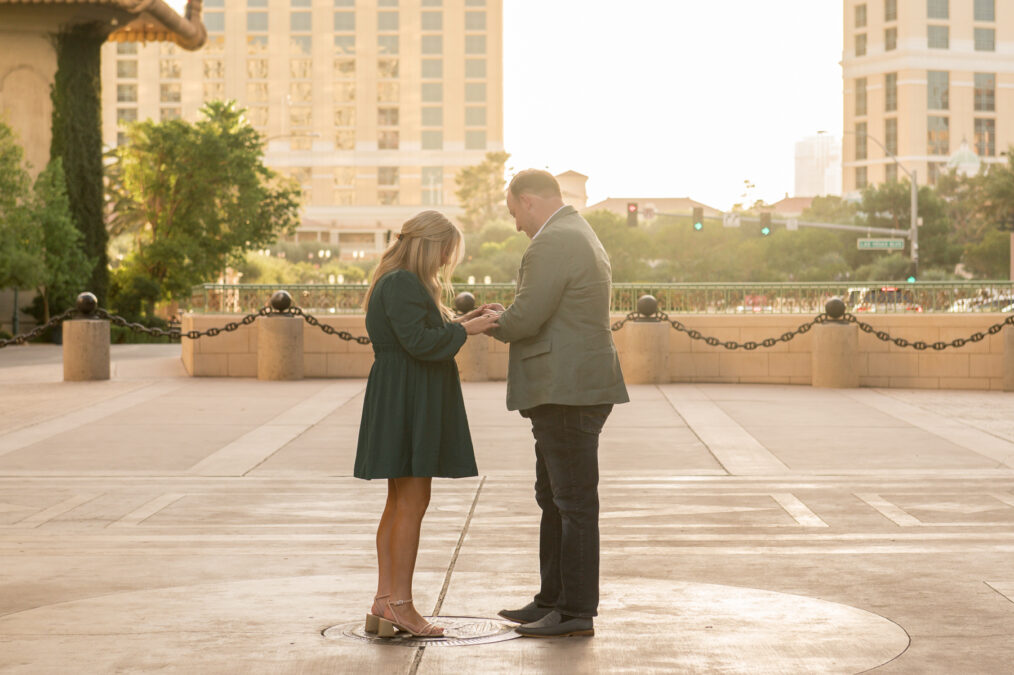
(670, 98)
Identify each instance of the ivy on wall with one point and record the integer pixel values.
(77, 139)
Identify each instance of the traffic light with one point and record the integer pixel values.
(911, 276)
(631, 214)
(765, 223)
(698, 218)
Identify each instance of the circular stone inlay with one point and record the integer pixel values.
(458, 631)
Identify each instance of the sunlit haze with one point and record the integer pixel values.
(670, 98)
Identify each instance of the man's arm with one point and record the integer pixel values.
(543, 281)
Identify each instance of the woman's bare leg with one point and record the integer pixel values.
(384, 531)
(412, 497)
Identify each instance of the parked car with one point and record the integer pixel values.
(882, 299)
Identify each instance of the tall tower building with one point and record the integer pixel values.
(818, 166)
(921, 77)
(373, 105)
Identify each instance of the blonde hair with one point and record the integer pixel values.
(424, 242)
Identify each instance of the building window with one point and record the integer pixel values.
(257, 92)
(257, 22)
(432, 3)
(214, 69)
(167, 114)
(387, 92)
(344, 176)
(126, 69)
(475, 116)
(257, 3)
(127, 47)
(300, 92)
(387, 117)
(387, 21)
(890, 39)
(258, 115)
(475, 3)
(387, 139)
(938, 90)
(938, 37)
(985, 92)
(985, 40)
(301, 44)
(345, 92)
(302, 69)
(257, 69)
(126, 115)
(387, 176)
(432, 185)
(300, 22)
(170, 69)
(344, 67)
(860, 177)
(477, 20)
(344, 22)
(170, 93)
(891, 10)
(890, 92)
(861, 140)
(214, 22)
(387, 3)
(861, 44)
(121, 138)
(432, 68)
(345, 44)
(432, 117)
(345, 116)
(891, 173)
(475, 92)
(432, 44)
(475, 68)
(937, 9)
(126, 93)
(345, 139)
(985, 137)
(891, 135)
(861, 16)
(475, 139)
(985, 10)
(387, 68)
(475, 44)
(256, 44)
(938, 135)
(432, 139)
(214, 91)
(301, 116)
(432, 20)
(860, 96)
(387, 197)
(432, 92)
(387, 44)
(344, 3)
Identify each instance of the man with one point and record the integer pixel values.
(564, 376)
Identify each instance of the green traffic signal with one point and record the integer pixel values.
(698, 218)
(911, 280)
(698, 226)
(765, 231)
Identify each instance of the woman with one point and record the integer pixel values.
(414, 425)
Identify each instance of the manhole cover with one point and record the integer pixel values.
(458, 630)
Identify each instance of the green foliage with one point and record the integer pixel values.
(20, 242)
(990, 258)
(481, 191)
(262, 269)
(195, 197)
(494, 251)
(77, 139)
(626, 245)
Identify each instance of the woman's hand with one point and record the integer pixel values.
(481, 323)
(495, 306)
(467, 317)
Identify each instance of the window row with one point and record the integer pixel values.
(982, 10)
(937, 92)
(937, 137)
(937, 37)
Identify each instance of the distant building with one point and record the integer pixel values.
(790, 207)
(920, 77)
(649, 207)
(372, 106)
(818, 166)
(572, 185)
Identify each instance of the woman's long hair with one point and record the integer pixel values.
(425, 241)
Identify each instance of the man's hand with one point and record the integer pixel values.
(469, 316)
(481, 323)
(495, 306)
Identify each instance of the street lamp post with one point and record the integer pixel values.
(913, 230)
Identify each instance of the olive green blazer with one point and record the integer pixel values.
(561, 345)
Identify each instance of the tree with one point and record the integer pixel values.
(195, 197)
(481, 191)
(20, 258)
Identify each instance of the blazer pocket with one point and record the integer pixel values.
(537, 348)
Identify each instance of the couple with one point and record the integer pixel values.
(563, 375)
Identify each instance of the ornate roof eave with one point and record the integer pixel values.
(158, 22)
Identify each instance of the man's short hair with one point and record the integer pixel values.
(535, 181)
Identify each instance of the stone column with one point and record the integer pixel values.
(473, 359)
(835, 345)
(280, 348)
(1008, 358)
(646, 352)
(85, 350)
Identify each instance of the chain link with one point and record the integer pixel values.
(920, 345)
(38, 330)
(330, 330)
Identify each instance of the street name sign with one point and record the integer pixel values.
(880, 244)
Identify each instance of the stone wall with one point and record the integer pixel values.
(657, 353)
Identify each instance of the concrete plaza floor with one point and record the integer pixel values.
(157, 522)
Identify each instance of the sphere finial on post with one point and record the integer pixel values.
(647, 306)
(464, 302)
(86, 304)
(835, 308)
(281, 301)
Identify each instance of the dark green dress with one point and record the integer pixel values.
(414, 421)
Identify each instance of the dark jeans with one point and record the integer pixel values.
(566, 488)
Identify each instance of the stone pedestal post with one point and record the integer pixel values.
(280, 348)
(85, 350)
(646, 345)
(1008, 358)
(473, 359)
(835, 346)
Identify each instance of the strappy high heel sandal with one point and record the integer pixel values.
(374, 618)
(387, 625)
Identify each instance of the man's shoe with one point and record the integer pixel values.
(527, 614)
(554, 625)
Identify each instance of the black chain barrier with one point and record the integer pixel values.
(920, 345)
(330, 330)
(728, 344)
(38, 330)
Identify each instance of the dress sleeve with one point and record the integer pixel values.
(406, 305)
